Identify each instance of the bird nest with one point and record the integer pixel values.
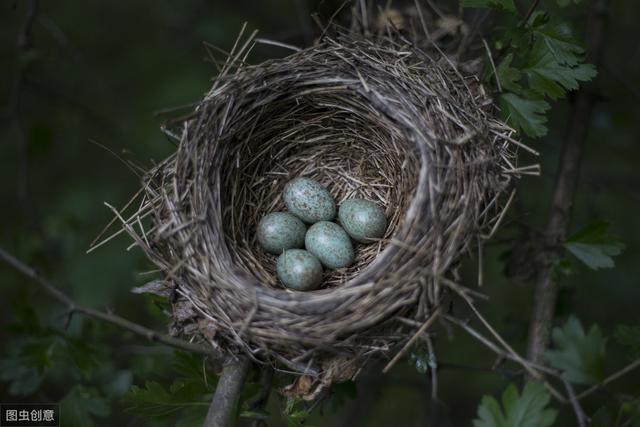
(379, 119)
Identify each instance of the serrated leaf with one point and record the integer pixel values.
(81, 405)
(525, 114)
(548, 77)
(28, 361)
(507, 75)
(559, 41)
(579, 356)
(506, 5)
(153, 400)
(629, 336)
(594, 246)
(526, 410)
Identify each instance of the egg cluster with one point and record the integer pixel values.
(327, 243)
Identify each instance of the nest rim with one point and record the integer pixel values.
(308, 354)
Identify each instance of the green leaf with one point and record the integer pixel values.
(23, 379)
(604, 417)
(526, 410)
(506, 5)
(28, 362)
(119, 383)
(594, 246)
(294, 416)
(559, 41)
(629, 336)
(525, 114)
(548, 77)
(155, 401)
(507, 75)
(84, 356)
(579, 356)
(547, 54)
(81, 405)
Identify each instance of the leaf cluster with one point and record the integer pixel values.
(528, 409)
(533, 62)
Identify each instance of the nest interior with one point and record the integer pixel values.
(378, 119)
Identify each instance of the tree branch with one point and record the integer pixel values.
(74, 307)
(224, 399)
(546, 291)
(527, 16)
(610, 378)
(581, 417)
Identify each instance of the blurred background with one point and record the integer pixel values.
(89, 86)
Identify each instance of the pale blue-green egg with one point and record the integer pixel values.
(299, 270)
(279, 231)
(309, 200)
(330, 243)
(362, 220)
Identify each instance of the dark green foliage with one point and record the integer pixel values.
(295, 413)
(626, 415)
(629, 336)
(540, 60)
(579, 356)
(594, 246)
(604, 417)
(81, 406)
(525, 114)
(526, 410)
(86, 81)
(187, 397)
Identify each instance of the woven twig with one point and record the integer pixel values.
(376, 118)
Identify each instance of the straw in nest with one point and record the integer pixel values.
(377, 118)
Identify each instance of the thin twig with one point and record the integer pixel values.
(525, 364)
(493, 65)
(74, 307)
(494, 347)
(412, 340)
(610, 378)
(581, 417)
(527, 16)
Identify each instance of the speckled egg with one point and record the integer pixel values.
(279, 231)
(362, 220)
(330, 243)
(299, 270)
(309, 200)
